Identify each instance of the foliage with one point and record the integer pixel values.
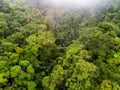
(44, 47)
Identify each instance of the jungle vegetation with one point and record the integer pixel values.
(43, 47)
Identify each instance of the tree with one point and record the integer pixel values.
(53, 81)
(101, 41)
(108, 85)
(82, 74)
(3, 25)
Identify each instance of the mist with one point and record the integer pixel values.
(69, 3)
(75, 3)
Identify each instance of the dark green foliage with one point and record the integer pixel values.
(101, 41)
(46, 48)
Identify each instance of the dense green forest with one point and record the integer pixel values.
(50, 47)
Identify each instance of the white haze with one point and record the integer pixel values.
(75, 3)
